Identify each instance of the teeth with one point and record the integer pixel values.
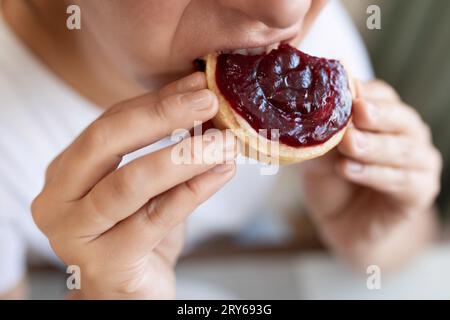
(252, 51)
(240, 51)
(255, 51)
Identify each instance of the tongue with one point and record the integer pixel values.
(306, 98)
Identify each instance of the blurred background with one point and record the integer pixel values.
(270, 260)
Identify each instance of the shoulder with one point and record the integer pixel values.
(334, 35)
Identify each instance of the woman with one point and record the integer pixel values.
(124, 225)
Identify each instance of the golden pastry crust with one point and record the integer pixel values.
(255, 145)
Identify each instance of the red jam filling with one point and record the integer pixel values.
(306, 98)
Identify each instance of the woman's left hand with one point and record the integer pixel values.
(381, 181)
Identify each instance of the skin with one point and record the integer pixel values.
(124, 226)
(380, 183)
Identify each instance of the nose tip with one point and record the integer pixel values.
(282, 13)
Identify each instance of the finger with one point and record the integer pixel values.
(383, 179)
(385, 150)
(144, 230)
(403, 184)
(377, 90)
(190, 83)
(388, 118)
(380, 178)
(100, 148)
(127, 189)
(193, 82)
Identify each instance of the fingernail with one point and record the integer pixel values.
(355, 167)
(360, 140)
(199, 100)
(374, 112)
(195, 81)
(223, 168)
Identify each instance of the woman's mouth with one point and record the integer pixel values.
(250, 48)
(255, 44)
(199, 63)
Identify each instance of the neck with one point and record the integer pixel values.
(72, 55)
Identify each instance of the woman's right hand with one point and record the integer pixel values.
(124, 226)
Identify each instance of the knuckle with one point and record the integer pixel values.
(50, 171)
(437, 160)
(91, 209)
(168, 108)
(435, 189)
(194, 191)
(379, 83)
(42, 210)
(119, 185)
(95, 136)
(53, 167)
(392, 93)
(428, 133)
(383, 85)
(426, 198)
(408, 110)
(154, 214)
(37, 209)
(49, 212)
(114, 109)
(125, 181)
(416, 116)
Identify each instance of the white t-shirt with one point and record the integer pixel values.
(40, 115)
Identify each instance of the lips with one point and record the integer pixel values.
(251, 42)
